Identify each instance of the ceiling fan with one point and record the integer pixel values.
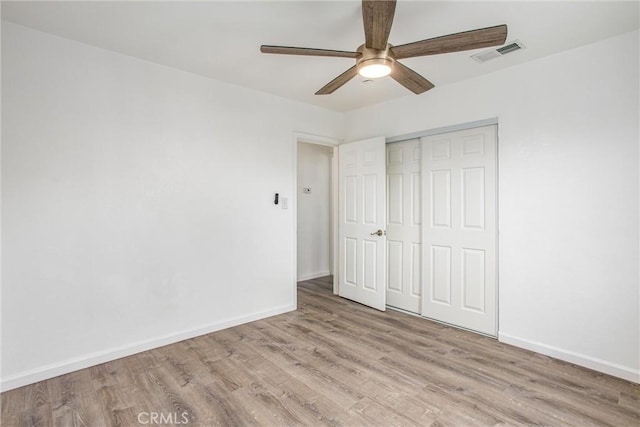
(377, 58)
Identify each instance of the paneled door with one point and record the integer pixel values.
(361, 222)
(460, 229)
(403, 226)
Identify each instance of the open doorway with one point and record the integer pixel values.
(315, 203)
(314, 218)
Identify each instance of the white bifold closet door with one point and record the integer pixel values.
(459, 228)
(403, 225)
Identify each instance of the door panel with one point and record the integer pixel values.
(394, 268)
(440, 200)
(403, 225)
(473, 203)
(362, 196)
(394, 204)
(416, 215)
(350, 261)
(460, 228)
(473, 283)
(441, 274)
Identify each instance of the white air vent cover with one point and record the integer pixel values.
(488, 55)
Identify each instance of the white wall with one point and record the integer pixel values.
(568, 185)
(137, 204)
(314, 233)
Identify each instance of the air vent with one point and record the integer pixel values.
(508, 48)
(488, 55)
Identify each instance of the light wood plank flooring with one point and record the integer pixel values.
(335, 363)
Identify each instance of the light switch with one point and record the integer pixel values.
(284, 202)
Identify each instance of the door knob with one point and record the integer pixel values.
(378, 233)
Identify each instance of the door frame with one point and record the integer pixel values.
(444, 129)
(333, 223)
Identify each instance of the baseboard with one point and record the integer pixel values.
(599, 365)
(86, 361)
(309, 276)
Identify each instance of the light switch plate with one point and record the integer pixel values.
(284, 202)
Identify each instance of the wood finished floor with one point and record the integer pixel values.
(332, 362)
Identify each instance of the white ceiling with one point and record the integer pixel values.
(221, 40)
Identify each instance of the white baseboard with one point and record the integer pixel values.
(599, 365)
(88, 360)
(309, 276)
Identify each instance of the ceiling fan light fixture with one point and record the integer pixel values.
(375, 68)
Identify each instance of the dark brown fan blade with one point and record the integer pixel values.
(288, 50)
(467, 40)
(410, 79)
(338, 81)
(377, 16)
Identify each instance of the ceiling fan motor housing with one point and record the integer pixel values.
(370, 56)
